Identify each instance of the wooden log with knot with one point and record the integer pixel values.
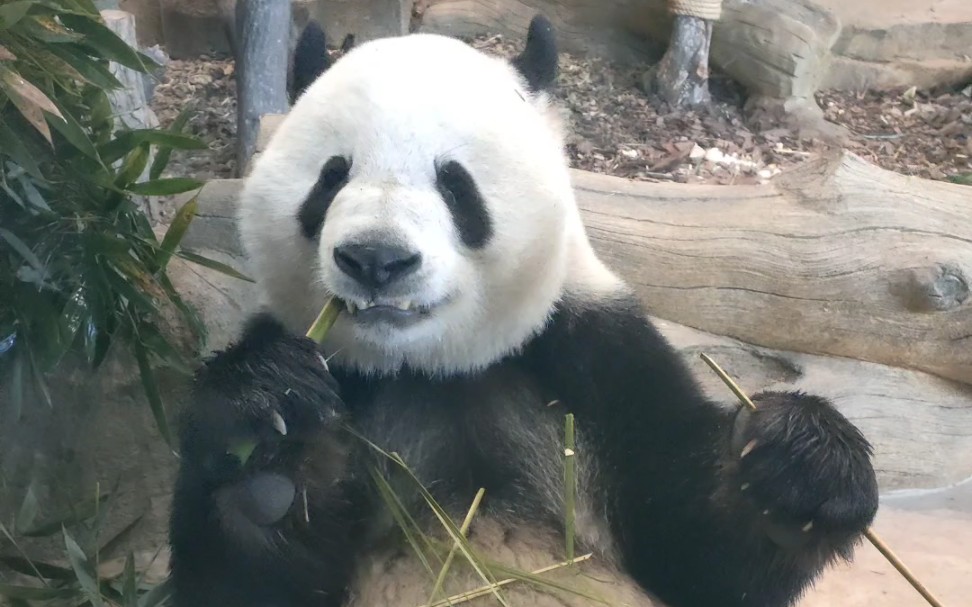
(836, 257)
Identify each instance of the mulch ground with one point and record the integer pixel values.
(617, 129)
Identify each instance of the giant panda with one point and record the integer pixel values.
(425, 185)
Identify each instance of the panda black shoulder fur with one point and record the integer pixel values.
(425, 185)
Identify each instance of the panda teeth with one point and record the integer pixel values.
(355, 306)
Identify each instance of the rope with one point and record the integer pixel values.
(703, 9)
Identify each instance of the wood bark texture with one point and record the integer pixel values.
(682, 77)
(837, 257)
(775, 48)
(264, 28)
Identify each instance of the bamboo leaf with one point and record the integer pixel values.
(212, 265)
(162, 156)
(160, 346)
(105, 42)
(961, 178)
(196, 323)
(152, 391)
(129, 583)
(12, 12)
(35, 569)
(177, 229)
(165, 186)
(131, 294)
(28, 593)
(134, 166)
(30, 100)
(33, 195)
(83, 6)
(77, 513)
(74, 133)
(83, 569)
(93, 72)
(23, 250)
(28, 510)
(45, 28)
(126, 140)
(405, 522)
(157, 596)
(13, 147)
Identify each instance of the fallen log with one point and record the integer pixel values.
(836, 257)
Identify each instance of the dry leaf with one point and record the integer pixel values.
(30, 100)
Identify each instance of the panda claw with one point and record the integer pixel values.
(748, 448)
(806, 528)
(323, 360)
(278, 423)
(744, 487)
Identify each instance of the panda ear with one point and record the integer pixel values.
(538, 61)
(310, 59)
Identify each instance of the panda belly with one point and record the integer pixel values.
(396, 577)
(497, 431)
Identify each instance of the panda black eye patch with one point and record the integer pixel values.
(466, 205)
(333, 177)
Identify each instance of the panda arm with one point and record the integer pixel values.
(276, 530)
(696, 523)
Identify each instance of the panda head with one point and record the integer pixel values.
(423, 183)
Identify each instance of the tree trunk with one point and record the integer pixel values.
(682, 77)
(261, 86)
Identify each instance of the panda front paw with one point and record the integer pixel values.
(804, 470)
(257, 402)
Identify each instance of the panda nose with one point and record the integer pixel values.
(376, 266)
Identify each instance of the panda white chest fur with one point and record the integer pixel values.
(424, 185)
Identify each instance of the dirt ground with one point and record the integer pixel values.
(617, 129)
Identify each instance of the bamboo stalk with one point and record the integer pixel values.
(455, 546)
(570, 484)
(484, 590)
(325, 319)
(868, 533)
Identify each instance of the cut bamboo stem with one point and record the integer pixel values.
(484, 590)
(868, 533)
(570, 484)
(325, 319)
(455, 546)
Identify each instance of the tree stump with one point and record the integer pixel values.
(264, 28)
(682, 77)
